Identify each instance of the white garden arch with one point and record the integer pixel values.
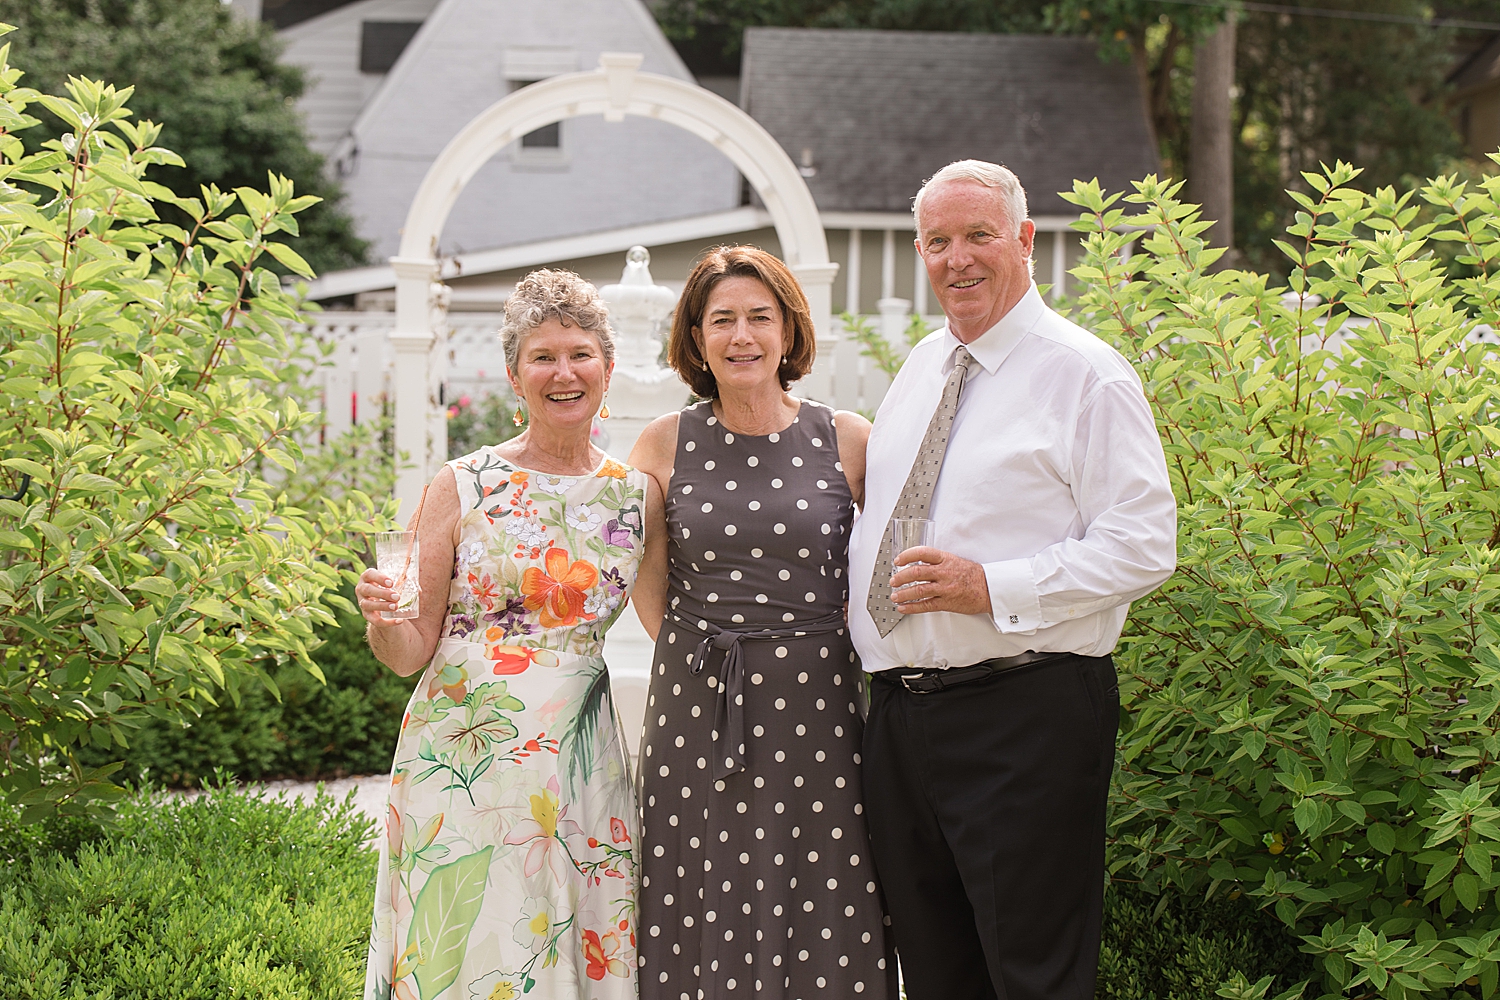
(614, 90)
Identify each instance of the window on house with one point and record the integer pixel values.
(382, 42)
(546, 137)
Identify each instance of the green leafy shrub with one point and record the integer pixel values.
(347, 726)
(1176, 947)
(149, 565)
(1311, 700)
(57, 836)
(224, 895)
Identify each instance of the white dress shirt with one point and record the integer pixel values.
(1054, 480)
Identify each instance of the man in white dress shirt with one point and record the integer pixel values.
(994, 705)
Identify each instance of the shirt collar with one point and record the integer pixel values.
(993, 346)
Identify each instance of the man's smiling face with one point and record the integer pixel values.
(979, 265)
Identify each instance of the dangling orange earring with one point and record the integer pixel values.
(604, 410)
(518, 419)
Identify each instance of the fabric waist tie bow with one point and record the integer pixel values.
(729, 706)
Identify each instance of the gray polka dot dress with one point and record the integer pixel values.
(756, 879)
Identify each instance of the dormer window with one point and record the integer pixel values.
(542, 148)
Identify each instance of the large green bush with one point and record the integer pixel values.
(345, 724)
(225, 895)
(149, 381)
(1311, 700)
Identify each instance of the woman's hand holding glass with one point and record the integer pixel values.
(377, 597)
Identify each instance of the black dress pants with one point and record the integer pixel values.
(986, 813)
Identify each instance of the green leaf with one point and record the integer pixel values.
(1466, 888)
(1382, 837)
(1239, 830)
(90, 482)
(291, 258)
(159, 585)
(15, 540)
(445, 911)
(212, 607)
(95, 639)
(1441, 869)
(1309, 818)
(93, 572)
(35, 470)
(154, 632)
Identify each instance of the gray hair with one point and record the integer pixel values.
(991, 175)
(554, 294)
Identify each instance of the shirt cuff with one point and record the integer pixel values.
(1013, 596)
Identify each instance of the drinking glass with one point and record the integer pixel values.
(919, 644)
(399, 554)
(911, 533)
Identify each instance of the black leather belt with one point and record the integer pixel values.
(929, 681)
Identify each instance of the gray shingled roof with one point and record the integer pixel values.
(880, 111)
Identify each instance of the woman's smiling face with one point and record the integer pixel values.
(561, 376)
(743, 333)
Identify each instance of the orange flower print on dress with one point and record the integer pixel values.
(515, 659)
(558, 593)
(485, 590)
(617, 831)
(612, 469)
(600, 954)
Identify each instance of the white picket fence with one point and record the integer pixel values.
(356, 377)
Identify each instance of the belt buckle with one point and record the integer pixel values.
(907, 679)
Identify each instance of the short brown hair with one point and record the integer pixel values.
(684, 355)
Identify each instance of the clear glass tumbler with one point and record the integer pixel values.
(399, 554)
(911, 533)
(916, 641)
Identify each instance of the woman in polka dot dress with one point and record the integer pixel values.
(756, 872)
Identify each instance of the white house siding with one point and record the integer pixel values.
(327, 47)
(608, 174)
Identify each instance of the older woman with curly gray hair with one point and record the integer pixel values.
(510, 851)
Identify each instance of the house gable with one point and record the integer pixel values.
(329, 47)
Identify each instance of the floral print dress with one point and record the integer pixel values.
(508, 866)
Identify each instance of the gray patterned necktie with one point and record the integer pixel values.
(916, 495)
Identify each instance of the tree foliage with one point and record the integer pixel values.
(1312, 698)
(1361, 91)
(151, 374)
(213, 79)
